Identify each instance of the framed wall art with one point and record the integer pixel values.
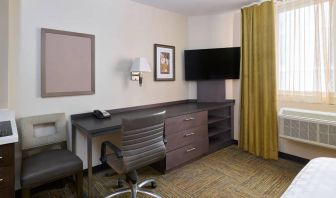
(164, 62)
(67, 63)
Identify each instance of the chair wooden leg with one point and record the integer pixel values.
(25, 192)
(79, 184)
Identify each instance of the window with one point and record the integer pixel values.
(306, 55)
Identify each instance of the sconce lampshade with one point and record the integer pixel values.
(140, 64)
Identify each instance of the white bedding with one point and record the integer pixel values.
(316, 179)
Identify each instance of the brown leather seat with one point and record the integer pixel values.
(45, 157)
(42, 167)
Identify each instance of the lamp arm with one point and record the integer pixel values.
(140, 79)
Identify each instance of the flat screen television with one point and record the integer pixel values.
(212, 64)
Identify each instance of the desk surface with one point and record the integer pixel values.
(88, 124)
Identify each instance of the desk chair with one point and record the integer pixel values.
(141, 144)
(45, 157)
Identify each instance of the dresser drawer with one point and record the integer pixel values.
(180, 123)
(6, 177)
(6, 155)
(186, 137)
(7, 192)
(184, 154)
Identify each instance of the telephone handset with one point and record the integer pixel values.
(101, 114)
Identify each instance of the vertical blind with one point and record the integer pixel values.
(306, 51)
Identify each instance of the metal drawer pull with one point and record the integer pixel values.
(1, 157)
(189, 134)
(188, 119)
(189, 150)
(1, 180)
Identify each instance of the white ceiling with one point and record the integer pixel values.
(197, 7)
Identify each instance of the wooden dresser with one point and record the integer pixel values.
(193, 135)
(7, 176)
(187, 138)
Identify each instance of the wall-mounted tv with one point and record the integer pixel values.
(212, 64)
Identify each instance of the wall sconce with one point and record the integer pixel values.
(139, 66)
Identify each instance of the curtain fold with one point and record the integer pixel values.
(259, 127)
(306, 51)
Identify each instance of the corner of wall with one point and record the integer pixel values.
(4, 46)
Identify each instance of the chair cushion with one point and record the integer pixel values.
(49, 165)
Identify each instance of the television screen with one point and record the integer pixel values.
(212, 64)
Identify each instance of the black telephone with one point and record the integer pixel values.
(101, 114)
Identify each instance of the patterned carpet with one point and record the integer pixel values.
(229, 172)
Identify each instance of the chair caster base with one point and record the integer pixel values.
(135, 189)
(120, 183)
(153, 184)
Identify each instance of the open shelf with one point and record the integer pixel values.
(220, 128)
(220, 141)
(214, 118)
(213, 131)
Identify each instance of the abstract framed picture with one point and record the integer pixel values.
(164, 62)
(67, 63)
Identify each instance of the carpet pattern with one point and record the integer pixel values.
(229, 172)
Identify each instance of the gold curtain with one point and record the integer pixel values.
(259, 127)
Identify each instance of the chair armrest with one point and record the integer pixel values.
(111, 146)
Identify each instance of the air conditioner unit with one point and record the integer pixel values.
(311, 127)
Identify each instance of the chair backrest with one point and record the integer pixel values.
(142, 140)
(42, 132)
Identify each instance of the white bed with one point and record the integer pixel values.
(316, 179)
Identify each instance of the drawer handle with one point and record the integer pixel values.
(1, 157)
(188, 119)
(1, 180)
(189, 134)
(192, 149)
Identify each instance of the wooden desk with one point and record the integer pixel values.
(92, 127)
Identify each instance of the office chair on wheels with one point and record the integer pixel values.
(142, 144)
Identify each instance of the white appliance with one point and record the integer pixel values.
(311, 127)
(8, 128)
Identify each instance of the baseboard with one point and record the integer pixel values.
(287, 156)
(18, 193)
(235, 142)
(97, 169)
(293, 158)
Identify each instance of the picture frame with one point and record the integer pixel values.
(67, 63)
(164, 62)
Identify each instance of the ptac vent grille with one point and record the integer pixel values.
(312, 127)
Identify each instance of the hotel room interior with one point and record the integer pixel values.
(167, 98)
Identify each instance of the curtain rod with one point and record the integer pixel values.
(260, 2)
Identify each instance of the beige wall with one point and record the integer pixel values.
(217, 31)
(4, 30)
(124, 30)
